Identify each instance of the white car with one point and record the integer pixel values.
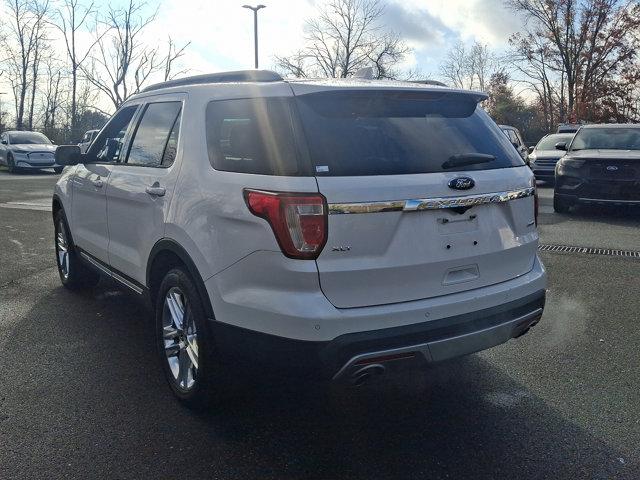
(20, 150)
(341, 228)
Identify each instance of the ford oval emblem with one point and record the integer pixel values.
(612, 168)
(462, 183)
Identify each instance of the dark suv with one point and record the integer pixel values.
(601, 166)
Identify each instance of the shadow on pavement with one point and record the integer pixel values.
(87, 399)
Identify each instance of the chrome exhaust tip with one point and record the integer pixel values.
(364, 374)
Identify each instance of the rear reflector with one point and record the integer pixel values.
(298, 220)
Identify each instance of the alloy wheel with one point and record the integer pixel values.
(180, 339)
(62, 250)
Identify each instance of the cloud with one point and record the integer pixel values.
(416, 25)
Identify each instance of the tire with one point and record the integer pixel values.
(11, 166)
(187, 352)
(58, 169)
(560, 205)
(74, 275)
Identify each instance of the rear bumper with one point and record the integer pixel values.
(299, 329)
(396, 348)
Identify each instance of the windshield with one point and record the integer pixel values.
(26, 138)
(607, 139)
(388, 133)
(549, 142)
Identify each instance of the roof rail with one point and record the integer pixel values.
(221, 77)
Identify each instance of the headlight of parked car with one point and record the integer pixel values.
(569, 162)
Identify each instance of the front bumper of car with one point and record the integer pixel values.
(575, 187)
(26, 162)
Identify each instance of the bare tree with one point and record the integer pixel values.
(346, 36)
(593, 44)
(124, 63)
(532, 57)
(72, 18)
(173, 53)
(22, 46)
(52, 94)
(40, 47)
(482, 65)
(120, 53)
(470, 68)
(455, 67)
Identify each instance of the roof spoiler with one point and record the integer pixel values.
(221, 77)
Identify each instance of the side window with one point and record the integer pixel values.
(107, 147)
(153, 135)
(252, 136)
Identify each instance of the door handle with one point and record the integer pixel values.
(156, 190)
(98, 183)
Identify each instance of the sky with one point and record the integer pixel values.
(221, 31)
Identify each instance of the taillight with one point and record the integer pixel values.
(298, 220)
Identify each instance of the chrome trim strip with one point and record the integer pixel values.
(418, 204)
(423, 348)
(603, 200)
(106, 270)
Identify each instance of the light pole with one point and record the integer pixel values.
(255, 29)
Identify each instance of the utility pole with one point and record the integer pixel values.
(255, 29)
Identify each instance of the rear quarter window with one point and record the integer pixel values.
(252, 136)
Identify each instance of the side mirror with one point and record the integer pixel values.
(561, 146)
(531, 149)
(515, 145)
(68, 155)
(4, 142)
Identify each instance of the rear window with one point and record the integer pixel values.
(252, 136)
(549, 142)
(386, 133)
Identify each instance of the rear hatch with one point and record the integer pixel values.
(426, 196)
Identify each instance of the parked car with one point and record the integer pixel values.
(338, 228)
(513, 134)
(568, 127)
(601, 166)
(21, 150)
(87, 138)
(544, 156)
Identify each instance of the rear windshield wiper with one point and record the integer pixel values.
(467, 159)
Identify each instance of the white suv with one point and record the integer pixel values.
(337, 227)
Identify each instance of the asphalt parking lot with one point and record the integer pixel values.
(81, 394)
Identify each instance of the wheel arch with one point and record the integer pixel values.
(165, 254)
(58, 206)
